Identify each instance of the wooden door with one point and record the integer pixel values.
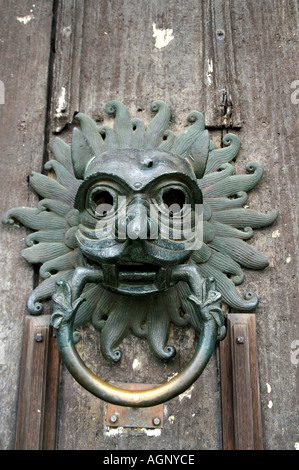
(236, 61)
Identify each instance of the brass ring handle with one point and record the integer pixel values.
(212, 323)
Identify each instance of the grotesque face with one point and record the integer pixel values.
(126, 200)
(139, 216)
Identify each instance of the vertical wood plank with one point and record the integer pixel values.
(36, 417)
(67, 63)
(240, 397)
(266, 55)
(51, 395)
(221, 94)
(38, 376)
(25, 44)
(255, 385)
(227, 415)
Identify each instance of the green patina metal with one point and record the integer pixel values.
(141, 282)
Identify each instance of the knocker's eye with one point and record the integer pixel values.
(101, 201)
(174, 200)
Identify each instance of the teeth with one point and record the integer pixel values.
(136, 276)
(113, 276)
(110, 273)
(163, 278)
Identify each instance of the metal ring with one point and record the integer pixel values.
(144, 398)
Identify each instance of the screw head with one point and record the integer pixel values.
(113, 419)
(240, 340)
(38, 337)
(156, 421)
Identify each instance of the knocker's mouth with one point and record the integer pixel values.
(135, 278)
(133, 267)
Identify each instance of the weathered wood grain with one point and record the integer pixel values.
(38, 387)
(67, 62)
(221, 91)
(258, 63)
(51, 395)
(32, 387)
(240, 394)
(112, 50)
(265, 37)
(207, 45)
(25, 38)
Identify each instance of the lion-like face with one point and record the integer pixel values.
(137, 217)
(113, 178)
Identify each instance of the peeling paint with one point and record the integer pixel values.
(151, 432)
(162, 36)
(67, 31)
(111, 432)
(172, 376)
(135, 364)
(210, 71)
(288, 259)
(268, 388)
(270, 404)
(25, 19)
(276, 234)
(115, 432)
(296, 445)
(171, 419)
(187, 393)
(61, 103)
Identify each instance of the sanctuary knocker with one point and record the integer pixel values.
(140, 229)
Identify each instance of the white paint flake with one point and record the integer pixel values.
(114, 432)
(111, 432)
(171, 419)
(172, 376)
(61, 103)
(162, 36)
(186, 394)
(296, 445)
(268, 388)
(276, 234)
(151, 432)
(270, 404)
(289, 259)
(210, 71)
(135, 364)
(25, 19)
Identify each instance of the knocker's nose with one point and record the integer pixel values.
(136, 224)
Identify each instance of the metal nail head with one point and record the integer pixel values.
(113, 419)
(156, 421)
